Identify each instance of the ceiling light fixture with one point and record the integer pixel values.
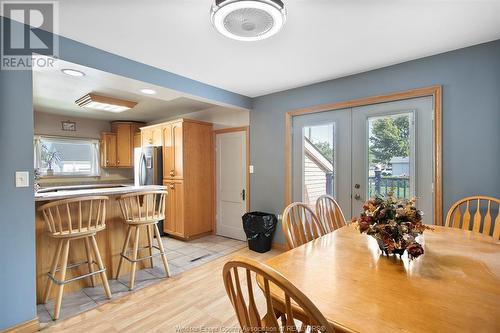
(248, 20)
(148, 91)
(104, 103)
(72, 72)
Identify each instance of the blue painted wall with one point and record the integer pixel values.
(17, 227)
(471, 118)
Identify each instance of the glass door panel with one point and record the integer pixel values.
(318, 162)
(390, 153)
(321, 157)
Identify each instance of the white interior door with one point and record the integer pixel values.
(231, 180)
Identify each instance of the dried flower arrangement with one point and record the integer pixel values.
(394, 223)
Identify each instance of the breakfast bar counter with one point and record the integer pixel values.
(110, 240)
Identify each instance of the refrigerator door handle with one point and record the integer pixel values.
(142, 170)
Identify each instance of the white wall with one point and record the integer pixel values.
(50, 124)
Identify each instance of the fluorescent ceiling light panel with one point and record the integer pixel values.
(104, 103)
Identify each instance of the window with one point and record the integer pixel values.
(60, 156)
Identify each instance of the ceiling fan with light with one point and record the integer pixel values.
(248, 20)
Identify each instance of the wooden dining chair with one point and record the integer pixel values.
(329, 213)
(67, 221)
(300, 225)
(476, 213)
(246, 304)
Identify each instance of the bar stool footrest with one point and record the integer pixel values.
(59, 282)
(144, 258)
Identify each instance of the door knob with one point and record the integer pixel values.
(243, 194)
(357, 186)
(357, 196)
(172, 186)
(172, 173)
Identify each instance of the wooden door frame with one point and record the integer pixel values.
(245, 129)
(434, 91)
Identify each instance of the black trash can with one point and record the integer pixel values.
(259, 228)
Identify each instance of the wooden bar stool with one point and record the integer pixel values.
(69, 220)
(142, 209)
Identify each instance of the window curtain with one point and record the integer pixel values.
(37, 145)
(95, 170)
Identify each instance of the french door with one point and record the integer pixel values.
(355, 153)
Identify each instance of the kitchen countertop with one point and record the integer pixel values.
(66, 192)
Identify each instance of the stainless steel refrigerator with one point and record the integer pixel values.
(148, 166)
(148, 169)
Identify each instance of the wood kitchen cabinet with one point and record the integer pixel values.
(108, 150)
(117, 146)
(188, 172)
(137, 140)
(174, 212)
(151, 136)
(173, 151)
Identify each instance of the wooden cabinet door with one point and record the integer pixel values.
(178, 157)
(124, 155)
(108, 150)
(174, 211)
(147, 137)
(173, 151)
(137, 140)
(156, 136)
(168, 223)
(168, 152)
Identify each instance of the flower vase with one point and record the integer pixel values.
(384, 250)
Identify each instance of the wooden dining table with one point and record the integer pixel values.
(453, 287)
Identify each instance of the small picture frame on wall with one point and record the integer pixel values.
(68, 125)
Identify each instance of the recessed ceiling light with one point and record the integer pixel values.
(248, 20)
(104, 103)
(72, 72)
(148, 91)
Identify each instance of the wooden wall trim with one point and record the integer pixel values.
(435, 91)
(245, 129)
(28, 326)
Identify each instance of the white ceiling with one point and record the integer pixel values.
(322, 39)
(55, 92)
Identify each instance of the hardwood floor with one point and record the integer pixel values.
(193, 299)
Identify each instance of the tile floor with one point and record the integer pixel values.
(182, 256)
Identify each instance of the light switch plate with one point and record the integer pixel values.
(22, 179)
(250, 168)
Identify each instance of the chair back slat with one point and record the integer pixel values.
(329, 213)
(300, 225)
(496, 230)
(484, 210)
(466, 218)
(272, 283)
(71, 214)
(90, 215)
(143, 207)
